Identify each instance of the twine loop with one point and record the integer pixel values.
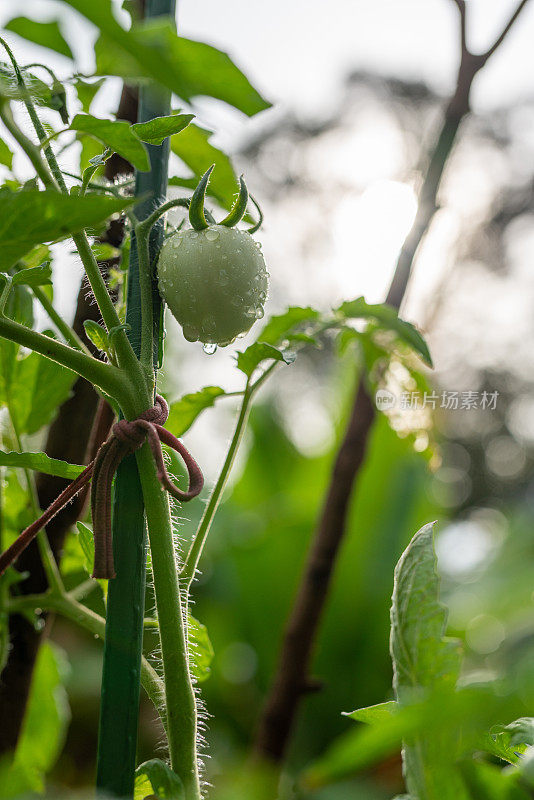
(126, 437)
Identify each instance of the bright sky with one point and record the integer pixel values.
(298, 51)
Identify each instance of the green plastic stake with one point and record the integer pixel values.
(119, 709)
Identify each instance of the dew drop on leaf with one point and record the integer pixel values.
(209, 348)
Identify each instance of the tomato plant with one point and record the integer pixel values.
(213, 278)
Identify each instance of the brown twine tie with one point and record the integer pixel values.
(126, 437)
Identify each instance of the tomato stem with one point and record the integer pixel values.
(53, 179)
(189, 569)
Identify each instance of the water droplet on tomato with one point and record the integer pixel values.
(177, 241)
(211, 235)
(209, 348)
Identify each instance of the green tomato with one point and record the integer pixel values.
(214, 282)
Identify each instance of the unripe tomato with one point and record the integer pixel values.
(214, 282)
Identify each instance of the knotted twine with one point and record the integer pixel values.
(126, 437)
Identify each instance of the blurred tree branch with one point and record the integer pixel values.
(292, 680)
(80, 427)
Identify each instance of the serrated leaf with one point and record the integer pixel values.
(6, 156)
(28, 218)
(194, 148)
(45, 34)
(34, 276)
(40, 462)
(279, 326)
(44, 728)
(421, 656)
(507, 742)
(424, 659)
(97, 335)
(200, 648)
(251, 358)
(152, 50)
(115, 134)
(156, 130)
(388, 318)
(157, 778)
(183, 412)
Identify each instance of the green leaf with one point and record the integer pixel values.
(43, 730)
(508, 741)
(40, 462)
(117, 135)
(200, 648)
(489, 782)
(28, 218)
(389, 319)
(6, 156)
(153, 50)
(45, 34)
(41, 93)
(279, 327)
(252, 357)
(155, 777)
(374, 715)
(193, 146)
(87, 544)
(34, 276)
(87, 91)
(184, 412)
(37, 387)
(367, 745)
(97, 335)
(156, 130)
(423, 658)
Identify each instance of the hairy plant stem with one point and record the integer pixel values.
(52, 178)
(180, 703)
(110, 379)
(190, 566)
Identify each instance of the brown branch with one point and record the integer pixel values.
(463, 23)
(78, 430)
(506, 30)
(291, 680)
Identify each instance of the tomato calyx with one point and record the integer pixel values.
(197, 211)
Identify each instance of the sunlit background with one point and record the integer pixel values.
(357, 90)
